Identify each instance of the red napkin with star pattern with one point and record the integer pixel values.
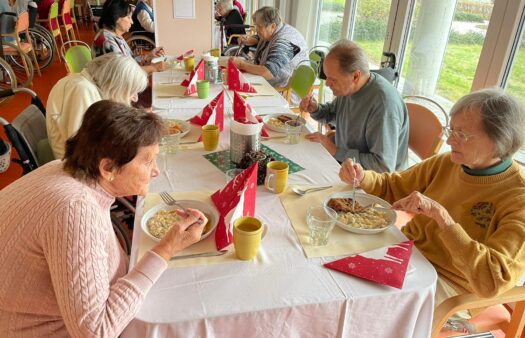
(237, 81)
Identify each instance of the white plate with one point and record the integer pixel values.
(207, 209)
(278, 129)
(365, 200)
(185, 126)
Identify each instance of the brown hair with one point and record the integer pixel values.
(350, 56)
(109, 130)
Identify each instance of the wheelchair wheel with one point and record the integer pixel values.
(7, 79)
(44, 47)
(247, 52)
(16, 61)
(140, 45)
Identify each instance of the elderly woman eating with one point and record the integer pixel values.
(469, 203)
(63, 271)
(280, 48)
(110, 76)
(116, 20)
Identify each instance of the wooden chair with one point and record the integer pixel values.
(74, 21)
(52, 25)
(22, 26)
(426, 129)
(65, 19)
(495, 318)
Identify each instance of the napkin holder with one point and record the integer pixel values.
(243, 139)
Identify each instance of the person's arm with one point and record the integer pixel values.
(75, 246)
(253, 69)
(279, 56)
(146, 22)
(325, 112)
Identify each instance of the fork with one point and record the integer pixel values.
(169, 200)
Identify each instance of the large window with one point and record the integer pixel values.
(444, 47)
(516, 80)
(330, 21)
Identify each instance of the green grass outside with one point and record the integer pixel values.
(458, 70)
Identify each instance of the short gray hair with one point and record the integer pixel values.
(502, 117)
(225, 4)
(117, 76)
(350, 56)
(267, 15)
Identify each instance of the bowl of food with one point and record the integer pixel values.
(157, 221)
(176, 126)
(371, 214)
(276, 122)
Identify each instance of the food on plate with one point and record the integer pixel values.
(344, 205)
(279, 121)
(162, 221)
(174, 127)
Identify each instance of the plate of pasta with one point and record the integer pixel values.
(370, 216)
(176, 126)
(276, 122)
(157, 221)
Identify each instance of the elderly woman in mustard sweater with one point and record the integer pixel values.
(469, 203)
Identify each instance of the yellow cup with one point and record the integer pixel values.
(247, 234)
(215, 52)
(276, 176)
(189, 63)
(210, 136)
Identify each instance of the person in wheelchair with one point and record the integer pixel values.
(144, 19)
(115, 22)
(230, 18)
(280, 48)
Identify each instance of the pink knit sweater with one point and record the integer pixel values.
(62, 271)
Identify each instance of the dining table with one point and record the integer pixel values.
(285, 291)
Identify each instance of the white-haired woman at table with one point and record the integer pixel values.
(280, 48)
(110, 76)
(469, 203)
(63, 271)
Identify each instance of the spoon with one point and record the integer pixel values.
(302, 192)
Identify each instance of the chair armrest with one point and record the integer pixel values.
(471, 301)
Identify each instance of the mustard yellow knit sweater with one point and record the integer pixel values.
(484, 252)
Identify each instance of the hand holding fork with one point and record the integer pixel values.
(169, 200)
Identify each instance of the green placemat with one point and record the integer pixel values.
(221, 159)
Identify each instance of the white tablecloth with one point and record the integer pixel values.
(280, 293)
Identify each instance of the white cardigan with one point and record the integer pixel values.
(67, 102)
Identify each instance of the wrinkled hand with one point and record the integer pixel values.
(237, 61)
(325, 141)
(308, 104)
(419, 204)
(182, 234)
(351, 171)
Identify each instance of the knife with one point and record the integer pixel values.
(203, 254)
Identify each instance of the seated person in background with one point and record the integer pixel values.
(280, 48)
(370, 115)
(228, 14)
(144, 19)
(64, 272)
(110, 76)
(115, 22)
(469, 203)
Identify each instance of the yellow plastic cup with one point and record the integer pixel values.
(276, 176)
(210, 137)
(247, 234)
(189, 63)
(215, 52)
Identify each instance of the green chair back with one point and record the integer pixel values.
(302, 80)
(77, 58)
(53, 18)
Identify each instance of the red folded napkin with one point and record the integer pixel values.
(243, 112)
(195, 75)
(214, 108)
(235, 200)
(387, 265)
(186, 53)
(237, 81)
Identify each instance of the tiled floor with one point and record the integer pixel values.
(42, 86)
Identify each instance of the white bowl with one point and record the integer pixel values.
(206, 209)
(364, 200)
(279, 129)
(185, 126)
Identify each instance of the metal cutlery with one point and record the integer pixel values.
(302, 192)
(353, 188)
(169, 200)
(203, 254)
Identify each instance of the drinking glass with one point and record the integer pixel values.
(293, 129)
(321, 220)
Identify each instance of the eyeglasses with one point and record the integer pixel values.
(458, 135)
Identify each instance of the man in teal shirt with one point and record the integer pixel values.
(370, 115)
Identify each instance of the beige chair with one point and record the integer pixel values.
(65, 16)
(495, 317)
(425, 135)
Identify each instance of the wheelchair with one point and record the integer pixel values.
(140, 42)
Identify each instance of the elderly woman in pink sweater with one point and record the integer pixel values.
(63, 271)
